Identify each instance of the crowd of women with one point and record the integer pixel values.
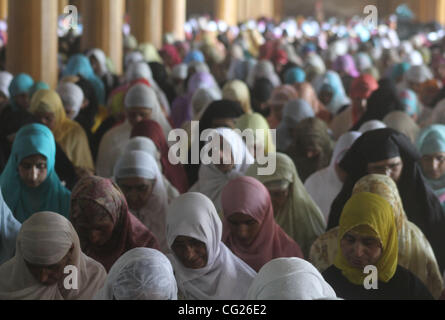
(87, 180)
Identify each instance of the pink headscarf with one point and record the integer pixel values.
(249, 196)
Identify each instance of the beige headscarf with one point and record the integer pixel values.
(237, 90)
(44, 239)
(402, 122)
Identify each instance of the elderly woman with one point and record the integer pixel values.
(205, 268)
(47, 243)
(106, 228)
(140, 274)
(367, 236)
(415, 252)
(250, 230)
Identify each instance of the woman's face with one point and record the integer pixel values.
(94, 225)
(360, 251)
(191, 252)
(137, 191)
(392, 168)
(225, 153)
(279, 198)
(33, 170)
(95, 65)
(138, 114)
(244, 228)
(52, 274)
(47, 118)
(22, 101)
(326, 97)
(433, 165)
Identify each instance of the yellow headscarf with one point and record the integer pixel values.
(69, 134)
(150, 52)
(256, 121)
(369, 211)
(237, 90)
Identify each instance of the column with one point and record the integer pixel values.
(146, 21)
(226, 10)
(3, 9)
(32, 44)
(102, 28)
(174, 17)
(61, 5)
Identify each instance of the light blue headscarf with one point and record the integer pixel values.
(399, 70)
(409, 100)
(79, 64)
(194, 56)
(50, 195)
(294, 111)
(21, 83)
(432, 140)
(332, 81)
(9, 228)
(294, 75)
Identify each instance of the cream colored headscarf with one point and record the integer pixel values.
(402, 122)
(237, 90)
(44, 239)
(300, 217)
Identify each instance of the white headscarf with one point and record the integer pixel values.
(294, 111)
(372, 125)
(72, 97)
(140, 274)
(289, 279)
(180, 71)
(101, 58)
(141, 69)
(419, 74)
(225, 277)
(211, 180)
(9, 228)
(131, 57)
(202, 98)
(44, 239)
(263, 69)
(5, 81)
(140, 95)
(324, 185)
(140, 164)
(414, 58)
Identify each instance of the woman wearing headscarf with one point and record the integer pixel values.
(280, 97)
(205, 268)
(79, 64)
(98, 61)
(331, 91)
(160, 76)
(367, 235)
(263, 69)
(386, 151)
(237, 90)
(46, 244)
(149, 52)
(311, 147)
(415, 252)
(294, 112)
(249, 227)
(147, 145)
(381, 102)
(170, 55)
(72, 98)
(173, 172)
(140, 274)
(40, 85)
(9, 228)
(402, 122)
(263, 143)
(431, 145)
(141, 103)
(289, 279)
(232, 161)
(29, 183)
(410, 103)
(138, 176)
(47, 106)
(417, 75)
(106, 227)
(397, 74)
(201, 99)
(361, 89)
(345, 66)
(261, 93)
(325, 184)
(182, 107)
(295, 211)
(372, 125)
(5, 81)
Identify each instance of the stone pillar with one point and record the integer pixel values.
(226, 10)
(174, 17)
(102, 28)
(146, 21)
(32, 45)
(3, 9)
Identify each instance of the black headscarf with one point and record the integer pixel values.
(381, 102)
(261, 93)
(160, 75)
(419, 201)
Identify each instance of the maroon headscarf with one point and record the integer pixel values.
(128, 232)
(174, 58)
(249, 196)
(174, 173)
